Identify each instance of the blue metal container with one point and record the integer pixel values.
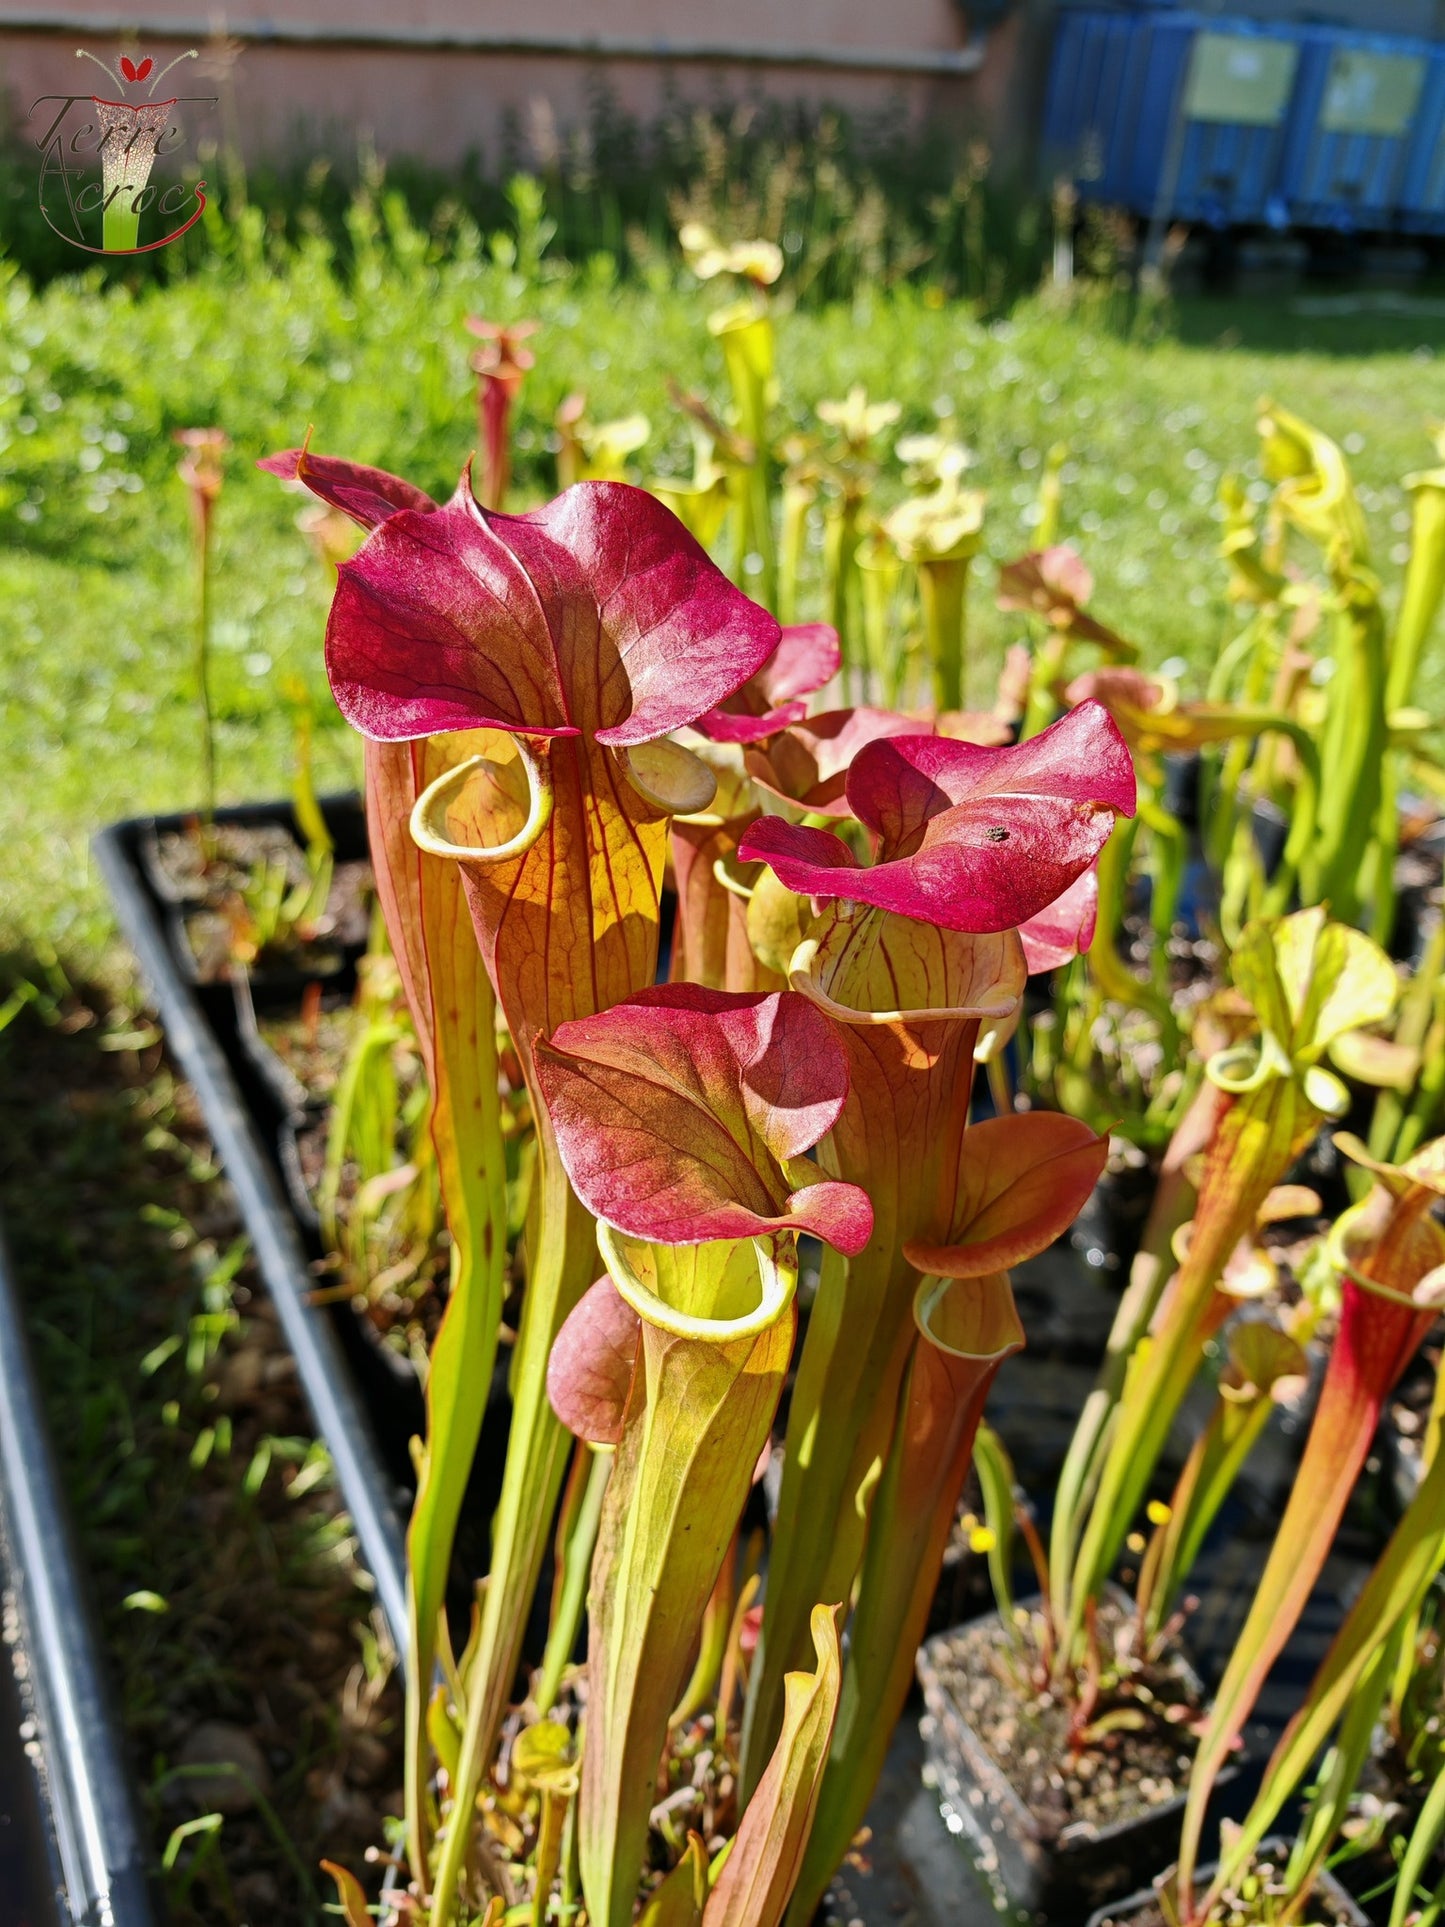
(1179, 115)
(1356, 111)
(1172, 114)
(1095, 100)
(1233, 97)
(1422, 189)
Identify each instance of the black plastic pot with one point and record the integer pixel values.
(364, 1396)
(1109, 1229)
(329, 959)
(1066, 1306)
(911, 1874)
(288, 1093)
(364, 1410)
(72, 1851)
(1181, 789)
(1418, 870)
(1270, 826)
(1032, 1878)
(1327, 1888)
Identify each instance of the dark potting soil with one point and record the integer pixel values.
(26, 1877)
(216, 931)
(206, 866)
(313, 1043)
(1194, 962)
(348, 904)
(402, 1296)
(311, 1154)
(1321, 1913)
(1109, 1229)
(207, 870)
(213, 939)
(1120, 1775)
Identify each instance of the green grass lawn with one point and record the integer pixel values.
(97, 717)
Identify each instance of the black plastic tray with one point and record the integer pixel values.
(72, 1851)
(364, 1410)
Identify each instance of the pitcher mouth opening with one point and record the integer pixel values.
(428, 817)
(849, 955)
(773, 1281)
(969, 1317)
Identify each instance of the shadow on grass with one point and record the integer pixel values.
(249, 1678)
(1315, 320)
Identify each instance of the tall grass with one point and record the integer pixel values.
(853, 200)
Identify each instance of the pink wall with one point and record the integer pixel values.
(821, 23)
(438, 105)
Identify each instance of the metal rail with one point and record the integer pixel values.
(398, 37)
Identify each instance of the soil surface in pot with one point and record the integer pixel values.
(203, 866)
(221, 940)
(1321, 1912)
(314, 1042)
(1193, 961)
(210, 873)
(1109, 1228)
(1119, 1775)
(393, 1254)
(401, 1294)
(1322, 1909)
